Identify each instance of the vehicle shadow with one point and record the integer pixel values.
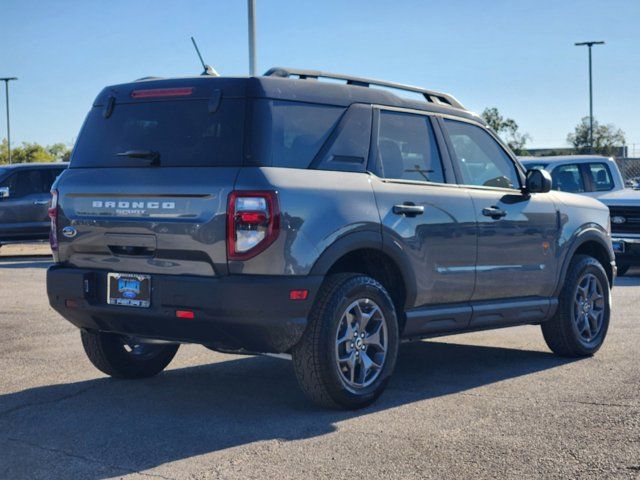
(186, 412)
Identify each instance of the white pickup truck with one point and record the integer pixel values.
(599, 177)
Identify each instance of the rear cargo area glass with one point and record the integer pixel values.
(185, 133)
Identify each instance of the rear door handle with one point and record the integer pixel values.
(41, 202)
(494, 212)
(408, 209)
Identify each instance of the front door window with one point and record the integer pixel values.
(480, 159)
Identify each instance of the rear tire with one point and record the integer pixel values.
(580, 324)
(349, 349)
(120, 357)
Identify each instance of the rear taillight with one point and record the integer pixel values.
(253, 223)
(53, 215)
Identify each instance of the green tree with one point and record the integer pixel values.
(31, 152)
(606, 138)
(507, 129)
(59, 151)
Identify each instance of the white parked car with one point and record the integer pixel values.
(599, 177)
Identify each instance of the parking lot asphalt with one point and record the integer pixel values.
(482, 405)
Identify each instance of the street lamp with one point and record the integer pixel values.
(251, 7)
(6, 81)
(590, 44)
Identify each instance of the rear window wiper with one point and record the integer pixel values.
(142, 154)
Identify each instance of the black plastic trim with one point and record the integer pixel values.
(251, 312)
(375, 241)
(482, 315)
(579, 240)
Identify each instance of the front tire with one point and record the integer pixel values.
(580, 324)
(349, 349)
(121, 357)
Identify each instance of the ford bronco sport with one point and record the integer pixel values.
(328, 220)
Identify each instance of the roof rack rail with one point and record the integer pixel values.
(429, 95)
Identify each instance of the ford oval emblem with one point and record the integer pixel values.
(69, 232)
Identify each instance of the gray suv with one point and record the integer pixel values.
(327, 220)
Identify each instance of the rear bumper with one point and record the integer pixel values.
(627, 249)
(233, 312)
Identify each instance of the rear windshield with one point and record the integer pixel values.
(181, 133)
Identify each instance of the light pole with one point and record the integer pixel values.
(6, 81)
(590, 44)
(251, 6)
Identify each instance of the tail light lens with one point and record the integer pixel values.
(53, 215)
(253, 223)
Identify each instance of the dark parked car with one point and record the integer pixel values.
(25, 196)
(325, 220)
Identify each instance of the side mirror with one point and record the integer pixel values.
(4, 192)
(538, 181)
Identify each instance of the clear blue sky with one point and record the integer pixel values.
(515, 55)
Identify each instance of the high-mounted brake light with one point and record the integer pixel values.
(253, 223)
(162, 92)
(53, 215)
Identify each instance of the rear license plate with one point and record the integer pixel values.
(618, 246)
(129, 290)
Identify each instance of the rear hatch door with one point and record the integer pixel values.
(150, 174)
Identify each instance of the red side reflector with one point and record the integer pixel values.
(71, 304)
(162, 92)
(188, 314)
(298, 294)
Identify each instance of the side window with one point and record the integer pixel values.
(407, 148)
(567, 178)
(290, 134)
(481, 160)
(600, 177)
(27, 182)
(50, 177)
(10, 182)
